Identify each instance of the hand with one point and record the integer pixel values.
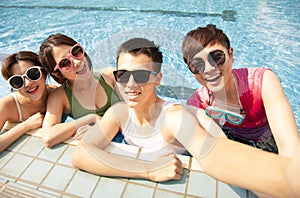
(34, 121)
(85, 120)
(166, 167)
(81, 131)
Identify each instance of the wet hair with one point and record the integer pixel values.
(46, 57)
(201, 37)
(13, 59)
(138, 46)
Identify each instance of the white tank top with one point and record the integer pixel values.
(155, 140)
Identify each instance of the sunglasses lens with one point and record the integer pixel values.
(216, 58)
(122, 76)
(33, 74)
(141, 76)
(64, 63)
(77, 51)
(197, 66)
(235, 119)
(213, 113)
(16, 82)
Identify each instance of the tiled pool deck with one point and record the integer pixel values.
(28, 169)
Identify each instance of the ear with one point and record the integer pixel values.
(158, 78)
(231, 56)
(230, 51)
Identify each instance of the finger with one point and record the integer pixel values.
(78, 134)
(179, 170)
(177, 177)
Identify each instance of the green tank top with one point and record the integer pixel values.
(78, 111)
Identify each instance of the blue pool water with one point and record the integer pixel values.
(262, 33)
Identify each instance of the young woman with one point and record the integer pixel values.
(83, 95)
(149, 122)
(23, 109)
(248, 103)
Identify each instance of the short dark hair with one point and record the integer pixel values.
(201, 37)
(137, 46)
(12, 59)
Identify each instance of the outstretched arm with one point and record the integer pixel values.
(227, 160)
(279, 113)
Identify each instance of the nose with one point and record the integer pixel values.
(208, 67)
(27, 82)
(131, 82)
(75, 62)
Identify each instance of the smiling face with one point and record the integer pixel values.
(135, 94)
(33, 90)
(215, 78)
(80, 67)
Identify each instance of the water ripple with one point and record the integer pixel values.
(226, 15)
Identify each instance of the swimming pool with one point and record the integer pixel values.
(262, 33)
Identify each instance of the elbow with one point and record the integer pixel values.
(75, 161)
(47, 140)
(76, 158)
(47, 143)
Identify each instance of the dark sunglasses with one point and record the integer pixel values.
(66, 63)
(215, 58)
(17, 81)
(140, 76)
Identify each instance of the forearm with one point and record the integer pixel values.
(57, 133)
(246, 167)
(12, 135)
(107, 164)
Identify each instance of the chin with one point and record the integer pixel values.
(215, 88)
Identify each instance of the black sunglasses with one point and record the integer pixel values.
(17, 81)
(215, 58)
(140, 76)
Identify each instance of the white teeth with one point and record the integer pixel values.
(33, 89)
(80, 69)
(132, 93)
(213, 78)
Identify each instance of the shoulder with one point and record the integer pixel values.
(7, 101)
(119, 108)
(108, 76)
(118, 112)
(177, 111)
(57, 94)
(51, 87)
(270, 80)
(8, 106)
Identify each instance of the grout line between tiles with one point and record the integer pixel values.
(124, 189)
(188, 177)
(96, 185)
(15, 152)
(217, 188)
